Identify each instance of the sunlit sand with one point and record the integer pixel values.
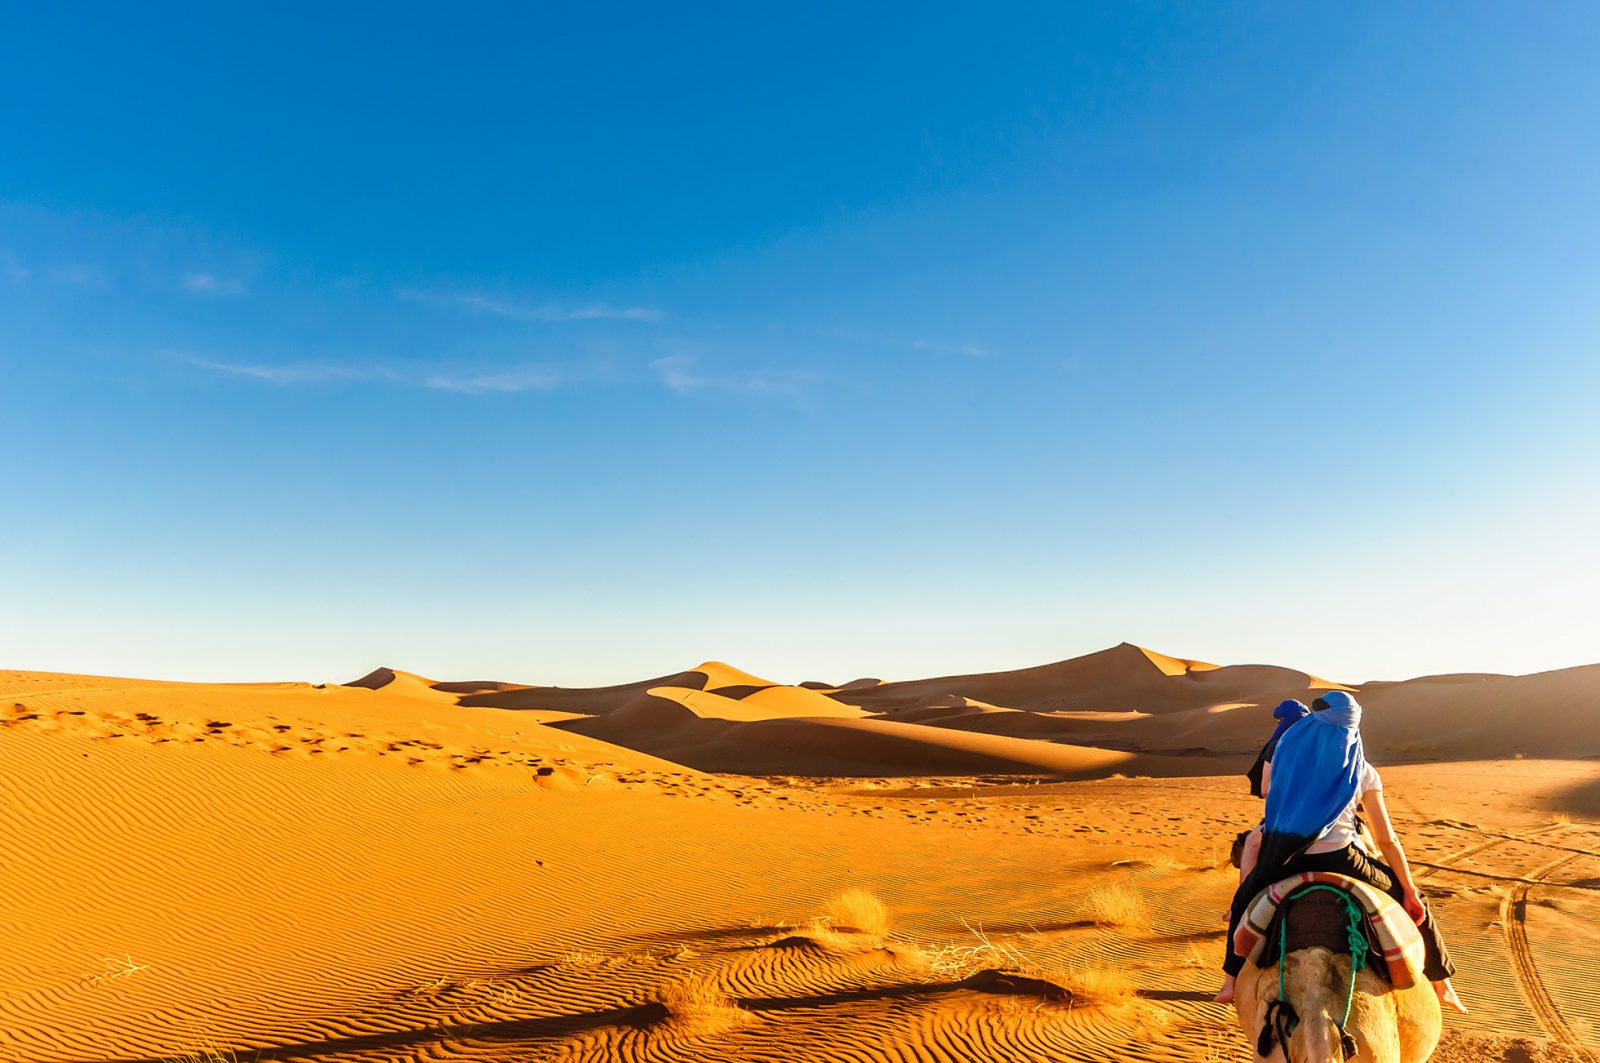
(1014, 866)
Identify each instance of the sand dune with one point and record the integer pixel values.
(1546, 714)
(708, 676)
(1127, 699)
(764, 703)
(215, 873)
(1122, 678)
(778, 746)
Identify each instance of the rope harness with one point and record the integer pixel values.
(1281, 1017)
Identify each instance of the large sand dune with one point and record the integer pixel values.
(1126, 699)
(397, 870)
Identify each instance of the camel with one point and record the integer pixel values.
(1386, 1025)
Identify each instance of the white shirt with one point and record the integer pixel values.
(1343, 830)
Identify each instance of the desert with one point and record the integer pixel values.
(905, 532)
(709, 865)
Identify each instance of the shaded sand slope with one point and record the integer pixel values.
(182, 876)
(1542, 715)
(1126, 700)
(1125, 677)
(1122, 678)
(765, 703)
(680, 728)
(719, 718)
(713, 676)
(393, 681)
(1468, 717)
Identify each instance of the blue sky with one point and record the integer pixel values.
(572, 345)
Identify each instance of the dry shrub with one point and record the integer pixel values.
(958, 962)
(205, 1052)
(698, 1006)
(1118, 906)
(985, 962)
(581, 958)
(859, 911)
(122, 967)
(1102, 988)
(1089, 987)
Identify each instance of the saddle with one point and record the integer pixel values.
(1392, 936)
(1321, 920)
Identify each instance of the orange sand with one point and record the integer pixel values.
(408, 870)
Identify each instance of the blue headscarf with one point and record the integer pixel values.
(1316, 774)
(1287, 712)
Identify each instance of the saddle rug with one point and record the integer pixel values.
(1398, 939)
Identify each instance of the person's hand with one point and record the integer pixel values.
(1414, 906)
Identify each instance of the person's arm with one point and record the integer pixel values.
(1266, 779)
(1383, 833)
(1250, 854)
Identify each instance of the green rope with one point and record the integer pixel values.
(1353, 935)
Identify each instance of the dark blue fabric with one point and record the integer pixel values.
(1316, 774)
(1287, 712)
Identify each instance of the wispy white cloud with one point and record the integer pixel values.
(488, 304)
(678, 374)
(295, 374)
(209, 284)
(532, 378)
(970, 350)
(506, 381)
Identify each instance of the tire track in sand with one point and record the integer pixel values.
(1447, 863)
(1513, 917)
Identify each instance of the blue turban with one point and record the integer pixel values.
(1287, 712)
(1316, 774)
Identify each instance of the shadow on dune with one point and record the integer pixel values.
(852, 996)
(640, 1017)
(1176, 994)
(1120, 678)
(1582, 800)
(865, 748)
(709, 933)
(1037, 928)
(582, 699)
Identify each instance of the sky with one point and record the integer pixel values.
(576, 344)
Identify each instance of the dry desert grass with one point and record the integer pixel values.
(1118, 906)
(860, 911)
(697, 1006)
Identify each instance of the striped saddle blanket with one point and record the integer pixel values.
(1398, 939)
